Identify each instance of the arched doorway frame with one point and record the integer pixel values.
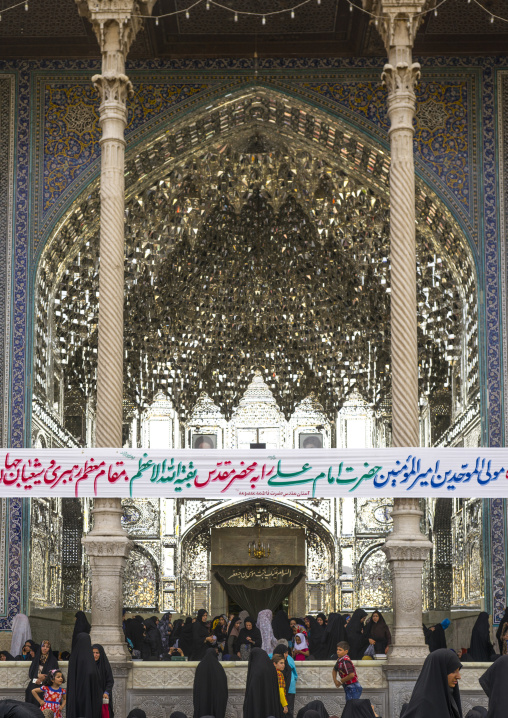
(298, 513)
(359, 140)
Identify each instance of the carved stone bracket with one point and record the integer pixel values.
(388, 13)
(125, 16)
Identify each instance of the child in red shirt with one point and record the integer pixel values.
(346, 671)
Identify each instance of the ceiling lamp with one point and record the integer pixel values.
(257, 549)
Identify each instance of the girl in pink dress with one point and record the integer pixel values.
(53, 694)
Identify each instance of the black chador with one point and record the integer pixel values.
(210, 694)
(50, 663)
(84, 695)
(262, 698)
(356, 636)
(18, 709)
(358, 708)
(105, 674)
(432, 697)
(317, 707)
(480, 647)
(495, 684)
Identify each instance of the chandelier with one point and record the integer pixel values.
(257, 549)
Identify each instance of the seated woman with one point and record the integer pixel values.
(301, 649)
(378, 633)
(249, 638)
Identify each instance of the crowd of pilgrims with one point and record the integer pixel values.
(272, 645)
(312, 637)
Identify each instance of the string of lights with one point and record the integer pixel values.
(12, 7)
(291, 11)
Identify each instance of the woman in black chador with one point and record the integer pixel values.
(436, 693)
(84, 694)
(185, 638)
(355, 635)
(480, 647)
(105, 674)
(250, 636)
(42, 663)
(281, 627)
(18, 709)
(434, 637)
(378, 633)
(317, 707)
(81, 625)
(495, 684)
(333, 632)
(201, 639)
(210, 694)
(262, 698)
(315, 636)
(359, 708)
(500, 630)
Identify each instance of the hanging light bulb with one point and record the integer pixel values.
(156, 20)
(26, 6)
(435, 12)
(492, 18)
(350, 7)
(187, 14)
(263, 20)
(292, 14)
(207, 5)
(236, 17)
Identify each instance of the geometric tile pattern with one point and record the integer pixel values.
(7, 108)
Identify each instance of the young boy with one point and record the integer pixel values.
(347, 673)
(278, 661)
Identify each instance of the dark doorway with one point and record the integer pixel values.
(234, 608)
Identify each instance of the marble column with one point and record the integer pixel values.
(115, 25)
(406, 548)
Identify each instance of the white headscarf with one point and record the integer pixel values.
(303, 645)
(264, 623)
(21, 633)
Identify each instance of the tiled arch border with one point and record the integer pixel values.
(216, 95)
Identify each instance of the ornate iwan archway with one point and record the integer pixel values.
(256, 238)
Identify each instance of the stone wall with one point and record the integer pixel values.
(160, 688)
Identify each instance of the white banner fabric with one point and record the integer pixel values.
(285, 473)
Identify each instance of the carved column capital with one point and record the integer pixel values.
(123, 18)
(402, 78)
(104, 547)
(113, 86)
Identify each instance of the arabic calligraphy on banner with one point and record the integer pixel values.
(267, 573)
(239, 474)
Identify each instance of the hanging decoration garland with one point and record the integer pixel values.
(290, 10)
